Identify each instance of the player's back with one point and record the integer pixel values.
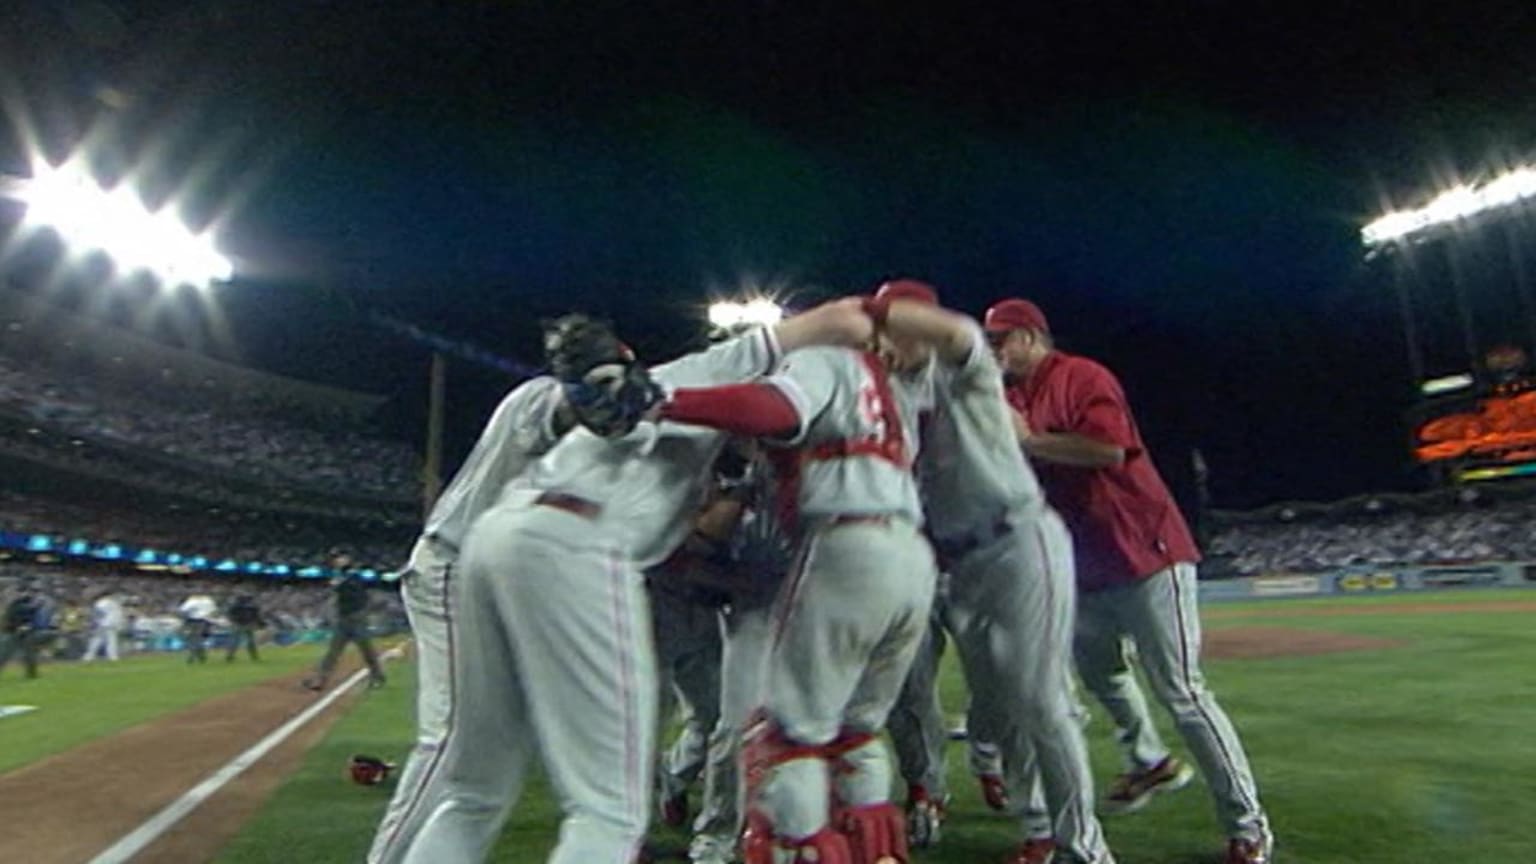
(857, 438)
(647, 484)
(971, 469)
(519, 431)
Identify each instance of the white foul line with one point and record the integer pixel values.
(138, 839)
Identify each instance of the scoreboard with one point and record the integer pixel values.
(1486, 436)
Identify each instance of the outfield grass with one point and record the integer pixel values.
(1421, 752)
(80, 702)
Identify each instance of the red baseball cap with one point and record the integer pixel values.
(907, 289)
(1015, 314)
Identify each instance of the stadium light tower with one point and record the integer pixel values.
(89, 217)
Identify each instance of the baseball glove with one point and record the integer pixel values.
(368, 771)
(606, 389)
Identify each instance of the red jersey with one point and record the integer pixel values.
(1125, 523)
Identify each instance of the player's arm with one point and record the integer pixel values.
(1099, 434)
(780, 408)
(839, 322)
(951, 334)
(1065, 448)
(755, 410)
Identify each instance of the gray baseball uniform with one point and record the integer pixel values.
(761, 551)
(520, 430)
(1010, 599)
(916, 724)
(852, 616)
(554, 650)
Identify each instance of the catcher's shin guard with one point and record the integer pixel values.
(764, 748)
(824, 847)
(877, 834)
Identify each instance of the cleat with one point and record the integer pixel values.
(1132, 790)
(1036, 850)
(994, 791)
(1245, 850)
(674, 810)
(925, 817)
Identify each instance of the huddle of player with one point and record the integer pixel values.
(797, 479)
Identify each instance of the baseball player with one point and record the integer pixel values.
(685, 619)
(1010, 602)
(107, 620)
(245, 620)
(197, 614)
(24, 627)
(851, 619)
(529, 420)
(554, 648)
(759, 554)
(918, 736)
(349, 624)
(1136, 574)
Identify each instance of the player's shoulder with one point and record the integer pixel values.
(1084, 369)
(822, 354)
(531, 391)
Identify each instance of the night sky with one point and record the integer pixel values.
(1182, 193)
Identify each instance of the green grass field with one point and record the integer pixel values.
(81, 702)
(1422, 752)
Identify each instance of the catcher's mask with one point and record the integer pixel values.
(368, 771)
(607, 390)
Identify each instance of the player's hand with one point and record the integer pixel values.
(1021, 429)
(846, 321)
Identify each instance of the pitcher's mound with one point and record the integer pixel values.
(1241, 643)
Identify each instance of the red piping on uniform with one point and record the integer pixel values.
(1189, 687)
(417, 794)
(632, 789)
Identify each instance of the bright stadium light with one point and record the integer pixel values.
(730, 315)
(1446, 384)
(116, 222)
(1453, 205)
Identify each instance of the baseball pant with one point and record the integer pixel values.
(349, 630)
(916, 724)
(196, 634)
(552, 651)
(746, 637)
(1010, 610)
(27, 644)
(1161, 616)
(103, 640)
(687, 634)
(242, 635)
(849, 623)
(427, 590)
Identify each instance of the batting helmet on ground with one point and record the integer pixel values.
(368, 771)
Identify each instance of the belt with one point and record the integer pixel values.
(957, 547)
(857, 519)
(570, 504)
(449, 547)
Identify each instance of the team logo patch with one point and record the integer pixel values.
(13, 710)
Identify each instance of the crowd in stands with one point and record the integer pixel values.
(290, 609)
(259, 446)
(229, 533)
(44, 446)
(1379, 535)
